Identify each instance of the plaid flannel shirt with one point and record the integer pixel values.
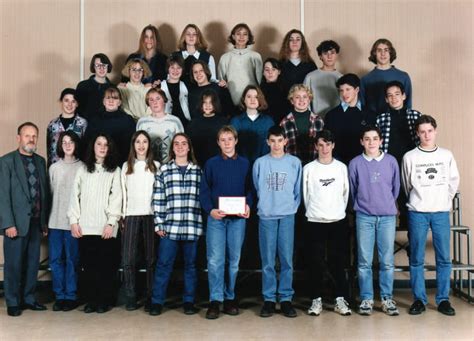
(383, 122)
(176, 206)
(288, 124)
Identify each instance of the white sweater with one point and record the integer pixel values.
(96, 200)
(430, 179)
(133, 100)
(325, 191)
(137, 189)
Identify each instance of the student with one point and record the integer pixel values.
(133, 92)
(277, 180)
(94, 211)
(241, 66)
(226, 174)
(372, 93)
(325, 193)
(176, 91)
(137, 178)
(347, 120)
(203, 130)
(430, 179)
(295, 59)
(301, 125)
(375, 183)
(67, 120)
(90, 92)
(159, 125)
(274, 91)
(63, 248)
(252, 125)
(321, 82)
(178, 222)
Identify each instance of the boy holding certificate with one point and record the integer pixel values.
(225, 196)
(277, 180)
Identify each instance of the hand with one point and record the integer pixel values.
(11, 232)
(217, 214)
(108, 231)
(76, 231)
(222, 83)
(122, 85)
(149, 85)
(247, 212)
(45, 231)
(161, 233)
(156, 83)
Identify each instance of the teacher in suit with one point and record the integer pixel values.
(24, 203)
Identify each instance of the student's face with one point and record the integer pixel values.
(277, 144)
(101, 148)
(427, 135)
(68, 146)
(141, 145)
(111, 102)
(329, 58)
(295, 42)
(300, 100)
(227, 143)
(207, 106)
(149, 40)
(136, 73)
(251, 99)
(324, 148)
(382, 55)
(190, 37)
(175, 71)
(349, 94)
(241, 37)
(395, 98)
(28, 139)
(100, 68)
(156, 103)
(270, 73)
(371, 142)
(180, 146)
(68, 104)
(199, 75)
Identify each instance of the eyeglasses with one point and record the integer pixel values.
(140, 70)
(101, 66)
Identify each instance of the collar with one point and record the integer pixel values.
(186, 54)
(240, 51)
(378, 158)
(428, 150)
(345, 106)
(233, 157)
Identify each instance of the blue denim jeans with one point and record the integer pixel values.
(418, 225)
(63, 260)
(224, 240)
(276, 237)
(375, 230)
(167, 251)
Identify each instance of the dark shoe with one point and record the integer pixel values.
(102, 308)
(189, 308)
(155, 309)
(287, 309)
(34, 306)
(90, 308)
(131, 304)
(268, 309)
(231, 307)
(417, 308)
(69, 305)
(445, 308)
(58, 305)
(213, 311)
(14, 311)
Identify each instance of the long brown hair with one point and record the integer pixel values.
(201, 44)
(304, 50)
(141, 43)
(132, 155)
(172, 155)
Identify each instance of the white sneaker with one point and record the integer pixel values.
(389, 307)
(342, 307)
(366, 307)
(316, 307)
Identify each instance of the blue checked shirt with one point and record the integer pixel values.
(176, 205)
(383, 122)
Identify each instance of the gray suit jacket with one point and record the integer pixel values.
(15, 201)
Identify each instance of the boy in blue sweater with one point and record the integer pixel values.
(277, 180)
(225, 175)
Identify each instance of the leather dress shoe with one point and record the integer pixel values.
(14, 311)
(417, 308)
(102, 308)
(231, 307)
(90, 308)
(34, 306)
(58, 305)
(445, 308)
(213, 310)
(155, 309)
(69, 305)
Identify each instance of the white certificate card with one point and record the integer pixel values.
(232, 205)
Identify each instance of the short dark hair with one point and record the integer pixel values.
(425, 119)
(68, 91)
(103, 59)
(327, 45)
(275, 63)
(110, 162)
(77, 144)
(325, 135)
(392, 84)
(373, 50)
(215, 101)
(370, 128)
(349, 79)
(237, 27)
(276, 130)
(175, 59)
(26, 124)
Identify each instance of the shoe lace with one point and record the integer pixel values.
(366, 304)
(389, 304)
(342, 304)
(316, 304)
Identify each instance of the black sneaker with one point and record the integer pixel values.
(189, 308)
(58, 305)
(155, 309)
(213, 311)
(417, 308)
(131, 304)
(287, 309)
(268, 309)
(445, 308)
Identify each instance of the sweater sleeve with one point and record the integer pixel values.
(205, 189)
(297, 190)
(123, 178)
(395, 180)
(159, 201)
(353, 180)
(406, 182)
(305, 186)
(222, 69)
(345, 182)
(114, 208)
(408, 92)
(74, 210)
(453, 178)
(258, 67)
